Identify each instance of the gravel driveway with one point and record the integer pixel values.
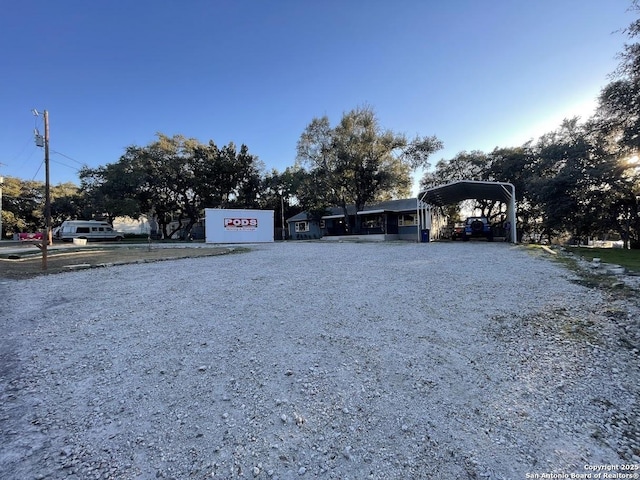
(319, 360)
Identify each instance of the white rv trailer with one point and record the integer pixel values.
(89, 230)
(238, 226)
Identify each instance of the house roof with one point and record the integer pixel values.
(448, 194)
(402, 205)
(298, 217)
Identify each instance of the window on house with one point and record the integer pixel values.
(407, 220)
(322, 224)
(372, 222)
(302, 227)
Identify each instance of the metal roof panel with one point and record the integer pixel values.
(456, 192)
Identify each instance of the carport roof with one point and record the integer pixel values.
(455, 192)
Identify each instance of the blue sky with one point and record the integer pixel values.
(112, 73)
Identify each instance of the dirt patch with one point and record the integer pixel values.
(29, 263)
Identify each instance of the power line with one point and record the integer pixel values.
(21, 163)
(37, 171)
(65, 165)
(67, 156)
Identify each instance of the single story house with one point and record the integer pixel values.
(390, 220)
(413, 219)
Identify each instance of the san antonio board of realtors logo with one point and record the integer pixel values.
(237, 224)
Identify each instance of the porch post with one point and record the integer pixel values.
(424, 217)
(419, 219)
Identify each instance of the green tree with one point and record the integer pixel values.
(279, 192)
(513, 165)
(66, 202)
(574, 181)
(617, 123)
(464, 166)
(172, 180)
(22, 205)
(18, 207)
(357, 161)
(110, 191)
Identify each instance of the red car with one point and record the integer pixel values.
(458, 231)
(28, 237)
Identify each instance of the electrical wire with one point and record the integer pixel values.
(38, 121)
(14, 160)
(67, 156)
(37, 171)
(65, 165)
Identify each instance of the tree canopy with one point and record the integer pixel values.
(174, 179)
(357, 161)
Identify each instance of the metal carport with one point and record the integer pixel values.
(455, 192)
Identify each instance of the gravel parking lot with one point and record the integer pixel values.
(320, 360)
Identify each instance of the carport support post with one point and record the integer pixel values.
(512, 213)
(424, 217)
(419, 214)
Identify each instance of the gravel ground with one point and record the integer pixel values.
(320, 360)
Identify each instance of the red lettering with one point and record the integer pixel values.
(240, 223)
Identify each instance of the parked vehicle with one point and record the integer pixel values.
(458, 231)
(477, 227)
(91, 230)
(30, 237)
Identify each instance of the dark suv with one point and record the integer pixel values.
(477, 227)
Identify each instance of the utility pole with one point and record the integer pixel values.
(1, 184)
(46, 234)
(47, 194)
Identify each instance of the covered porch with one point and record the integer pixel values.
(391, 220)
